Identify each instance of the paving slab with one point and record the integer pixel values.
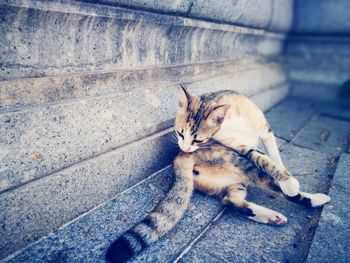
(287, 118)
(236, 239)
(325, 134)
(331, 241)
(87, 238)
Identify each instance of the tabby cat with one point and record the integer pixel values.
(221, 170)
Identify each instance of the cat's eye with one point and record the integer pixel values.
(197, 141)
(180, 134)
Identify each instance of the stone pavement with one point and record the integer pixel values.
(311, 139)
(331, 241)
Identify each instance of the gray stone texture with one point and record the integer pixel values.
(319, 59)
(329, 93)
(263, 14)
(309, 17)
(325, 134)
(31, 92)
(48, 203)
(331, 241)
(240, 12)
(40, 42)
(281, 17)
(318, 49)
(287, 118)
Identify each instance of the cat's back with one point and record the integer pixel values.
(240, 104)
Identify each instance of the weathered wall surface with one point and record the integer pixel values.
(88, 93)
(318, 48)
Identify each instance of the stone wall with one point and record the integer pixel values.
(318, 48)
(88, 93)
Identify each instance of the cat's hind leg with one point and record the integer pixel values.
(286, 182)
(235, 196)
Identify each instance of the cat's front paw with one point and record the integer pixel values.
(289, 187)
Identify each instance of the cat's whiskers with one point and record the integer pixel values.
(173, 137)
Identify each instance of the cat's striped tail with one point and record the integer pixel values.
(163, 218)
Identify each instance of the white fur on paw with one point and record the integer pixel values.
(267, 216)
(290, 187)
(317, 199)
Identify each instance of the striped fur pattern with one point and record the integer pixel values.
(160, 220)
(220, 171)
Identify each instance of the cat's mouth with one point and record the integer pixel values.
(188, 149)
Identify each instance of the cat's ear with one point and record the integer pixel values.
(184, 100)
(217, 115)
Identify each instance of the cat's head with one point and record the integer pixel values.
(196, 121)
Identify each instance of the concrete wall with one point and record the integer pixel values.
(88, 93)
(318, 48)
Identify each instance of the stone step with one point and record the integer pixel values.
(328, 93)
(68, 37)
(33, 92)
(331, 241)
(87, 237)
(275, 16)
(318, 59)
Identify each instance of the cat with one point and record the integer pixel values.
(216, 170)
(229, 118)
(225, 169)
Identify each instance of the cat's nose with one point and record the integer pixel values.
(187, 149)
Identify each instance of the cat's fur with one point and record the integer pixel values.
(221, 170)
(225, 116)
